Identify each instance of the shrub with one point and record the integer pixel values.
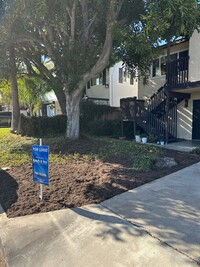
(104, 128)
(91, 111)
(196, 151)
(144, 163)
(100, 120)
(43, 126)
(152, 138)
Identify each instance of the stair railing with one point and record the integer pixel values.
(149, 122)
(157, 99)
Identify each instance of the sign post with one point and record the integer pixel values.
(40, 161)
(41, 185)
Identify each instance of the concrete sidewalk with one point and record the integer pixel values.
(184, 146)
(155, 225)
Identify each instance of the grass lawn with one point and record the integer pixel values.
(15, 150)
(88, 170)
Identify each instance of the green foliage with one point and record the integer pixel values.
(159, 20)
(43, 126)
(32, 92)
(16, 150)
(140, 157)
(152, 138)
(134, 47)
(104, 128)
(94, 120)
(73, 53)
(144, 162)
(5, 93)
(196, 151)
(167, 19)
(91, 111)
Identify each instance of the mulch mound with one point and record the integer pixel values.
(77, 183)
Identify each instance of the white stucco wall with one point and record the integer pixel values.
(120, 90)
(154, 83)
(194, 53)
(50, 96)
(115, 90)
(57, 108)
(147, 90)
(98, 91)
(185, 117)
(184, 120)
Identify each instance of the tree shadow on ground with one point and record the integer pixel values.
(109, 224)
(8, 190)
(165, 213)
(171, 220)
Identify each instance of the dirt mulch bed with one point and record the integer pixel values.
(77, 183)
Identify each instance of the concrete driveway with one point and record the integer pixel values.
(155, 225)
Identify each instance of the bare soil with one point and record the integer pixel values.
(76, 183)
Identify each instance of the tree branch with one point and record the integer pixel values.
(73, 23)
(103, 60)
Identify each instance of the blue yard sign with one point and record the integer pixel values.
(40, 159)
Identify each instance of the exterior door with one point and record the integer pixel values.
(51, 110)
(196, 120)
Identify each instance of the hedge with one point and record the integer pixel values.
(95, 119)
(43, 126)
(104, 128)
(99, 119)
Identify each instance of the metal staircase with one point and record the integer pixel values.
(158, 117)
(157, 102)
(134, 110)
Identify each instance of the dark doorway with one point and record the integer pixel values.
(196, 120)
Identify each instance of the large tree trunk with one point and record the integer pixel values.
(73, 114)
(61, 100)
(14, 88)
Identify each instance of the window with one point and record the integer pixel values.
(88, 85)
(125, 76)
(174, 56)
(163, 65)
(159, 65)
(131, 80)
(183, 54)
(100, 80)
(104, 77)
(155, 68)
(183, 65)
(93, 82)
(120, 75)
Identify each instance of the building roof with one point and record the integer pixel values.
(177, 42)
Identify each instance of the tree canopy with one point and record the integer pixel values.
(169, 19)
(78, 36)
